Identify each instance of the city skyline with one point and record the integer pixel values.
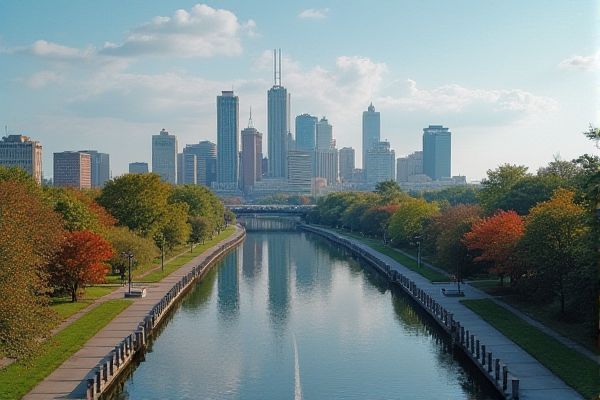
(102, 89)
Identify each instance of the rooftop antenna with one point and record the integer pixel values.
(250, 123)
(279, 67)
(274, 67)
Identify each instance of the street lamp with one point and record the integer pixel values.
(129, 255)
(417, 240)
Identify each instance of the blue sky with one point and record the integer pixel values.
(514, 81)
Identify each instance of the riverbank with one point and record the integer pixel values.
(103, 357)
(469, 331)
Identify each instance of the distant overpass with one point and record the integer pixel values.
(245, 209)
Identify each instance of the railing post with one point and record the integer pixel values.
(515, 388)
(504, 377)
(483, 354)
(489, 362)
(497, 369)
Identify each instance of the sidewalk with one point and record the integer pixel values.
(69, 380)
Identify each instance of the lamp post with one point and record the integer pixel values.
(129, 255)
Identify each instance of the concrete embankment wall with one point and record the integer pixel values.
(472, 346)
(107, 372)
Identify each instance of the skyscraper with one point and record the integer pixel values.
(346, 156)
(100, 168)
(138, 168)
(327, 165)
(20, 151)
(187, 169)
(300, 164)
(251, 156)
(437, 152)
(409, 166)
(206, 161)
(73, 169)
(278, 115)
(228, 111)
(306, 132)
(164, 156)
(324, 135)
(371, 132)
(381, 162)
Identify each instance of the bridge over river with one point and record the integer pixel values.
(270, 217)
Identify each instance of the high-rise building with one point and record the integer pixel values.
(347, 157)
(73, 169)
(20, 151)
(300, 165)
(371, 132)
(164, 156)
(324, 135)
(138, 168)
(265, 167)
(327, 165)
(228, 122)
(278, 115)
(381, 162)
(408, 166)
(187, 169)
(206, 161)
(251, 157)
(306, 132)
(437, 152)
(100, 167)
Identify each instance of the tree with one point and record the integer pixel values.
(81, 261)
(229, 217)
(498, 182)
(202, 229)
(79, 211)
(390, 192)
(556, 242)
(496, 238)
(175, 229)
(375, 220)
(407, 222)
(527, 192)
(351, 216)
(123, 240)
(30, 234)
(454, 195)
(138, 201)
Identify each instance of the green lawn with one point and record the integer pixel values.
(576, 370)
(65, 308)
(19, 378)
(175, 264)
(431, 274)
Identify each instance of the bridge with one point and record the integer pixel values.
(277, 209)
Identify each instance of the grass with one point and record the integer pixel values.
(20, 377)
(430, 274)
(183, 259)
(65, 308)
(576, 370)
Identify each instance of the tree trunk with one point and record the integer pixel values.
(74, 294)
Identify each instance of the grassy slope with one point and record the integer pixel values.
(576, 370)
(65, 308)
(19, 378)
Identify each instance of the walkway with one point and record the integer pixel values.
(537, 382)
(69, 380)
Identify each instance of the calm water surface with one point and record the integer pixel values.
(289, 316)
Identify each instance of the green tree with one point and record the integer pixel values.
(351, 216)
(407, 222)
(202, 229)
(390, 192)
(175, 228)
(527, 192)
(123, 240)
(375, 220)
(454, 195)
(498, 182)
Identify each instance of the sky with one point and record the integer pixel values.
(515, 81)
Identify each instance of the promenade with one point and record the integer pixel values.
(536, 381)
(69, 381)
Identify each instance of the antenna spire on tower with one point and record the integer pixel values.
(250, 123)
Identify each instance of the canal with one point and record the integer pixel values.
(287, 315)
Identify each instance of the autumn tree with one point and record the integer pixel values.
(123, 240)
(407, 222)
(79, 211)
(351, 216)
(527, 192)
(556, 242)
(80, 262)
(497, 183)
(495, 239)
(375, 220)
(30, 234)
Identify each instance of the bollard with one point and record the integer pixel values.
(483, 354)
(490, 362)
(477, 349)
(504, 377)
(515, 388)
(497, 369)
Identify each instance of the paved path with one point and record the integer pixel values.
(537, 382)
(69, 380)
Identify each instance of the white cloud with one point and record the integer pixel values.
(43, 78)
(586, 63)
(313, 13)
(52, 51)
(201, 32)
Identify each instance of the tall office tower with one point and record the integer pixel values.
(371, 132)
(206, 161)
(327, 165)
(251, 156)
(100, 168)
(346, 156)
(278, 115)
(73, 169)
(265, 167)
(19, 151)
(409, 166)
(300, 165)
(436, 152)
(306, 132)
(138, 168)
(228, 111)
(164, 156)
(324, 135)
(187, 169)
(381, 162)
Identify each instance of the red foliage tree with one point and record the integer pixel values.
(496, 237)
(80, 262)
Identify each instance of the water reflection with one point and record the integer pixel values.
(228, 287)
(279, 278)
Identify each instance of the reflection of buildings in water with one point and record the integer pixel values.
(228, 286)
(252, 256)
(260, 222)
(278, 258)
(324, 266)
(301, 255)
